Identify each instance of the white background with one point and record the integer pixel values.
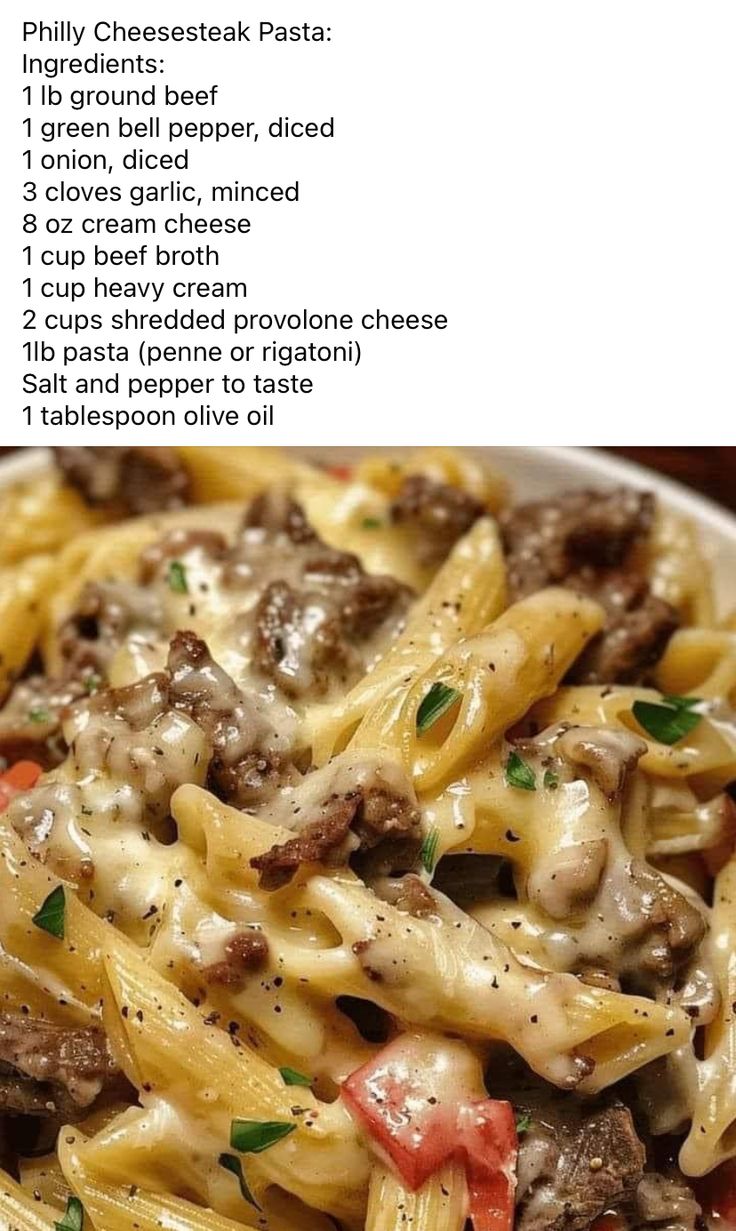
(557, 177)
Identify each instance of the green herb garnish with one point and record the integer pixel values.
(92, 682)
(519, 774)
(39, 715)
(292, 1078)
(231, 1163)
(177, 577)
(254, 1136)
(551, 780)
(523, 1122)
(50, 918)
(437, 702)
(372, 523)
(684, 703)
(670, 721)
(428, 850)
(73, 1219)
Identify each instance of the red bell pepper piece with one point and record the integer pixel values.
(409, 1102)
(20, 777)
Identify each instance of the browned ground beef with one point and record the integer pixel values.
(49, 1069)
(311, 626)
(584, 540)
(369, 815)
(244, 952)
(247, 764)
(576, 1160)
(548, 540)
(174, 545)
(638, 627)
(105, 612)
(136, 480)
(438, 514)
(30, 720)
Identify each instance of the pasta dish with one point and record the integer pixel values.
(366, 851)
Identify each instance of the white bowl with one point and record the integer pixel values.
(540, 471)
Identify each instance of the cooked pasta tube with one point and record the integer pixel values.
(712, 1136)
(288, 1022)
(456, 976)
(167, 1049)
(497, 675)
(41, 515)
(440, 1203)
(101, 1175)
(43, 1178)
(467, 592)
(24, 591)
(42, 1175)
(20, 1211)
(61, 975)
(707, 752)
(677, 568)
(700, 661)
(237, 473)
(128, 1207)
(678, 823)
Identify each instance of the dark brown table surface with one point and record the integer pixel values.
(711, 471)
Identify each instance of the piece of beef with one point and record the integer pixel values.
(638, 926)
(131, 734)
(306, 638)
(141, 480)
(106, 612)
(325, 565)
(632, 642)
(439, 513)
(547, 540)
(318, 610)
(22, 1096)
(609, 754)
(31, 718)
(583, 540)
(244, 952)
(367, 603)
(49, 1068)
(324, 840)
(138, 705)
(671, 927)
(274, 512)
(356, 820)
(666, 1202)
(413, 896)
(575, 1162)
(296, 651)
(177, 543)
(249, 758)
